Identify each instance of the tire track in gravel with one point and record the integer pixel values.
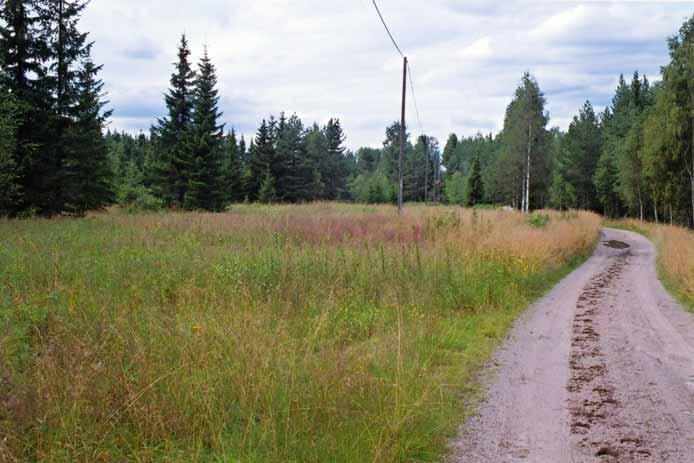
(595, 424)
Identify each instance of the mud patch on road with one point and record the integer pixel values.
(616, 244)
(593, 404)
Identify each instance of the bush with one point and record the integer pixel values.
(539, 220)
(140, 198)
(454, 189)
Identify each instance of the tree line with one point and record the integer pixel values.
(53, 158)
(636, 158)
(189, 161)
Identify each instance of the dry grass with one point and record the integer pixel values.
(675, 256)
(302, 334)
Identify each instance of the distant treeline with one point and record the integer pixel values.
(636, 158)
(188, 160)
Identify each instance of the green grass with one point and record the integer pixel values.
(314, 333)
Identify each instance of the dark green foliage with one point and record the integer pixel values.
(204, 144)
(459, 155)
(87, 175)
(475, 188)
(455, 189)
(539, 220)
(451, 157)
(420, 169)
(171, 134)
(668, 144)
(334, 169)
(131, 158)
(267, 193)
(606, 177)
(524, 145)
(294, 172)
(232, 169)
(66, 45)
(578, 159)
(562, 194)
(262, 158)
(368, 160)
(10, 188)
(316, 146)
(305, 165)
(646, 163)
(376, 171)
(59, 154)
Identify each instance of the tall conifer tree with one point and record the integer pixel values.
(262, 159)
(21, 55)
(87, 171)
(205, 188)
(170, 176)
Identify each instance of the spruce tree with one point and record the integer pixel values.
(87, 175)
(297, 175)
(244, 155)
(67, 47)
(450, 154)
(334, 170)
(10, 188)
(267, 193)
(316, 150)
(232, 169)
(582, 147)
(205, 143)
(262, 159)
(171, 134)
(475, 188)
(22, 74)
(606, 178)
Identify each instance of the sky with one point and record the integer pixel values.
(323, 59)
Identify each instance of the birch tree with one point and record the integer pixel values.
(524, 155)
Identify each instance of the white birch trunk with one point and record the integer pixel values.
(527, 178)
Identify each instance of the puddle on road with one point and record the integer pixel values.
(616, 244)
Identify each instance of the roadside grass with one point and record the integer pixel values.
(312, 333)
(675, 256)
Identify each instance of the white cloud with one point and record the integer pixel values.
(325, 59)
(478, 50)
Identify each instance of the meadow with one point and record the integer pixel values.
(312, 333)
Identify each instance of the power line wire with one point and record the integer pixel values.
(409, 69)
(387, 30)
(414, 98)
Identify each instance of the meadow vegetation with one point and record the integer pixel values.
(309, 333)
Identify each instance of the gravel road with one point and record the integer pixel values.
(599, 370)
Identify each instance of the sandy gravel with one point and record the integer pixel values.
(600, 370)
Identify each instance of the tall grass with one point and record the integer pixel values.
(675, 256)
(266, 334)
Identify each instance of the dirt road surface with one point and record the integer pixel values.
(600, 370)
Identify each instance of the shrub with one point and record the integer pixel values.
(538, 220)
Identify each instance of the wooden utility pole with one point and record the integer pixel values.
(402, 135)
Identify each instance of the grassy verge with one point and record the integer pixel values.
(675, 256)
(296, 334)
